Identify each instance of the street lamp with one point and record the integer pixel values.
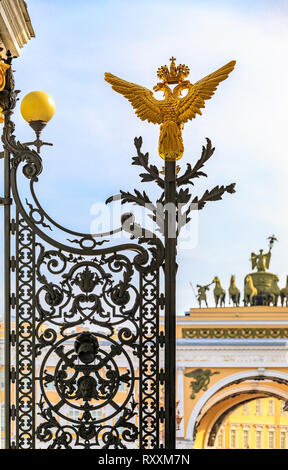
(37, 108)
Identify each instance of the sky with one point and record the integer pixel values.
(94, 128)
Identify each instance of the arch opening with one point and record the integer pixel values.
(226, 398)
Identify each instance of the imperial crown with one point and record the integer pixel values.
(175, 75)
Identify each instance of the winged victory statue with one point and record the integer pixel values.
(173, 111)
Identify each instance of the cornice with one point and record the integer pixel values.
(191, 323)
(15, 25)
(230, 347)
(234, 343)
(246, 333)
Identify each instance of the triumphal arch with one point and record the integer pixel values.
(234, 359)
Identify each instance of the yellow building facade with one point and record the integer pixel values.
(232, 379)
(230, 360)
(258, 424)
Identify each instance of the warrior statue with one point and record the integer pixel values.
(202, 294)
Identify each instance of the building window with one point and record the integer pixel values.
(233, 439)
(283, 439)
(271, 439)
(245, 438)
(74, 414)
(258, 407)
(282, 412)
(96, 414)
(245, 409)
(258, 439)
(271, 408)
(220, 439)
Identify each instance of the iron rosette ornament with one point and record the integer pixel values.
(87, 379)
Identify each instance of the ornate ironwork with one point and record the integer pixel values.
(86, 341)
(25, 337)
(86, 338)
(58, 290)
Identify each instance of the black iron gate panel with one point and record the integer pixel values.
(82, 338)
(82, 324)
(86, 354)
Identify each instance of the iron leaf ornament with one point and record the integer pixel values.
(183, 196)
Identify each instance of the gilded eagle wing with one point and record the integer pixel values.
(201, 91)
(141, 98)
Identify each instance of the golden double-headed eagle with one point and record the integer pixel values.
(173, 111)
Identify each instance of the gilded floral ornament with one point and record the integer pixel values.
(173, 111)
(3, 68)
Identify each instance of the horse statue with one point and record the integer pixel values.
(219, 292)
(284, 295)
(234, 292)
(275, 291)
(250, 291)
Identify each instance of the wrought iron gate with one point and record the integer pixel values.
(82, 323)
(82, 336)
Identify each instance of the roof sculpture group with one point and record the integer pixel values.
(260, 287)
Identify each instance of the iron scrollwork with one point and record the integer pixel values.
(87, 322)
(87, 333)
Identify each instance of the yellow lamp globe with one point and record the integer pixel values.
(37, 106)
